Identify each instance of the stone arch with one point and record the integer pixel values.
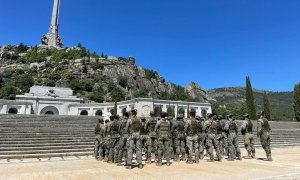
(124, 110)
(49, 110)
(12, 110)
(84, 113)
(99, 112)
(170, 111)
(203, 112)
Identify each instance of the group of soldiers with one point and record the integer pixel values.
(179, 139)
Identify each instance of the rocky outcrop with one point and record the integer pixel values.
(197, 92)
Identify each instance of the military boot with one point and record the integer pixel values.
(269, 158)
(168, 164)
(129, 167)
(149, 161)
(253, 156)
(201, 156)
(239, 157)
(249, 156)
(183, 157)
(176, 157)
(140, 166)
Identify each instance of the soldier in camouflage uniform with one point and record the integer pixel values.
(263, 131)
(210, 127)
(98, 138)
(123, 140)
(163, 129)
(233, 143)
(247, 131)
(134, 126)
(151, 143)
(202, 136)
(191, 129)
(114, 131)
(179, 140)
(106, 141)
(145, 138)
(222, 136)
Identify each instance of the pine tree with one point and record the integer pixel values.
(296, 103)
(267, 106)
(250, 100)
(116, 108)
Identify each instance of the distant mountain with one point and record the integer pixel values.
(281, 102)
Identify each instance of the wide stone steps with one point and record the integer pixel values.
(46, 155)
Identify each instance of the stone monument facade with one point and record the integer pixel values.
(52, 39)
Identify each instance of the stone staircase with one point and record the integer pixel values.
(46, 136)
(31, 136)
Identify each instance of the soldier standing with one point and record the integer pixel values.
(179, 140)
(222, 136)
(134, 126)
(163, 128)
(145, 138)
(114, 131)
(233, 143)
(201, 136)
(210, 127)
(151, 143)
(263, 131)
(247, 131)
(191, 129)
(98, 138)
(106, 141)
(123, 140)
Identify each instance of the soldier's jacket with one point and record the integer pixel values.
(150, 127)
(178, 128)
(114, 129)
(263, 126)
(231, 127)
(191, 127)
(247, 126)
(163, 129)
(143, 130)
(123, 126)
(98, 129)
(133, 125)
(211, 126)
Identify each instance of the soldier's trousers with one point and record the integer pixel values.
(202, 140)
(152, 145)
(145, 145)
(193, 147)
(179, 143)
(265, 140)
(164, 148)
(213, 144)
(122, 147)
(249, 143)
(233, 146)
(97, 146)
(114, 150)
(134, 142)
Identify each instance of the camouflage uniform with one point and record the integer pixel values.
(102, 142)
(114, 131)
(106, 141)
(134, 126)
(233, 143)
(247, 131)
(179, 140)
(145, 138)
(202, 138)
(163, 128)
(191, 129)
(222, 138)
(210, 127)
(263, 131)
(152, 141)
(98, 139)
(123, 140)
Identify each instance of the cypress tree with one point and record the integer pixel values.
(250, 100)
(296, 103)
(267, 106)
(116, 108)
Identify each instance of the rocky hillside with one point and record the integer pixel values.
(98, 78)
(233, 97)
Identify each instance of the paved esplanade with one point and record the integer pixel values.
(52, 39)
(286, 165)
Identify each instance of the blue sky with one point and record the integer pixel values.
(215, 43)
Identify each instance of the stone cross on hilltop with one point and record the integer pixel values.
(52, 39)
